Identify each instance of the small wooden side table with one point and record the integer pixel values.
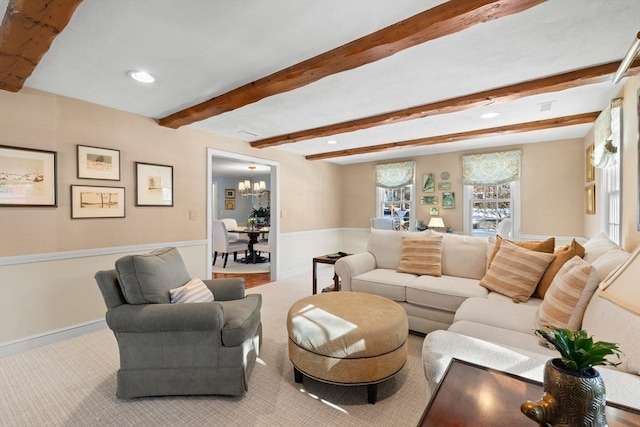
(325, 259)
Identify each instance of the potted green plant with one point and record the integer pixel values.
(574, 393)
(421, 226)
(262, 214)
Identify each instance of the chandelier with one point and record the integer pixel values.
(249, 187)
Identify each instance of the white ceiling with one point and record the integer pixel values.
(199, 49)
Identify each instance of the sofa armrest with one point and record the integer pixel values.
(353, 265)
(226, 289)
(205, 316)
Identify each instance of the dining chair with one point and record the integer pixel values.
(263, 246)
(504, 228)
(232, 224)
(382, 223)
(222, 245)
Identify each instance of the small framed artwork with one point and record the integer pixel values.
(98, 163)
(433, 211)
(429, 200)
(444, 186)
(27, 177)
(88, 201)
(154, 184)
(229, 193)
(428, 183)
(448, 200)
(590, 171)
(590, 199)
(230, 205)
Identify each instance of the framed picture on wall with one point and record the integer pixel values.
(590, 171)
(89, 201)
(429, 200)
(444, 186)
(230, 205)
(590, 199)
(154, 184)
(433, 211)
(448, 200)
(230, 193)
(27, 177)
(98, 163)
(428, 183)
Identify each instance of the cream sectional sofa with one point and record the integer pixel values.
(466, 321)
(430, 302)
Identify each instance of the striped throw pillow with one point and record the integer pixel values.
(422, 256)
(563, 255)
(516, 271)
(567, 297)
(193, 291)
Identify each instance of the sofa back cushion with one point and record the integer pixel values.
(597, 246)
(463, 256)
(421, 255)
(386, 246)
(148, 278)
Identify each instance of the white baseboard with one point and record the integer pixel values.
(28, 343)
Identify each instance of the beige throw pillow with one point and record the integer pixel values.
(516, 271)
(194, 290)
(567, 298)
(422, 256)
(546, 246)
(563, 255)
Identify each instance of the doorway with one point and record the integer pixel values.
(223, 159)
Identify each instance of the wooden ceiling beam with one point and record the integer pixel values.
(28, 29)
(445, 19)
(585, 76)
(462, 136)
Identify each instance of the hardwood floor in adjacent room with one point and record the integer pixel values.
(251, 280)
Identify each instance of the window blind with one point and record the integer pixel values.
(491, 168)
(395, 175)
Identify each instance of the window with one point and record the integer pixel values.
(491, 193)
(488, 206)
(396, 192)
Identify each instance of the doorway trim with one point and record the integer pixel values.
(275, 204)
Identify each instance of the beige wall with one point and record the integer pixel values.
(551, 188)
(309, 190)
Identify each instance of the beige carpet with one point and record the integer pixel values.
(73, 383)
(239, 268)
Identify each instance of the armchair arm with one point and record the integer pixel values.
(226, 289)
(205, 316)
(353, 265)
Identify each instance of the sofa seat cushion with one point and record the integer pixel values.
(444, 293)
(241, 319)
(501, 313)
(383, 282)
(501, 336)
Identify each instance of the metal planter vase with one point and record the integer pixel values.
(569, 399)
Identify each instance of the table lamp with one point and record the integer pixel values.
(436, 222)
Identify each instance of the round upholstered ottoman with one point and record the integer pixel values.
(347, 338)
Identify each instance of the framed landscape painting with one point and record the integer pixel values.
(88, 201)
(27, 177)
(98, 163)
(154, 184)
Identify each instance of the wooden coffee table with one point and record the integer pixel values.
(474, 395)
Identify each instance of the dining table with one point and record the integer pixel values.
(254, 234)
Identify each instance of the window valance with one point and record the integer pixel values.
(395, 175)
(605, 128)
(491, 168)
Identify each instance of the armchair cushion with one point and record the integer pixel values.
(148, 278)
(241, 318)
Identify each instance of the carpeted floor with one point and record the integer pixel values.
(73, 383)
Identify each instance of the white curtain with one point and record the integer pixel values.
(606, 146)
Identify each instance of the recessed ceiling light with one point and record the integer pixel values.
(490, 115)
(142, 76)
(332, 141)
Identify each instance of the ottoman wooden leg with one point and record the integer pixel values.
(297, 375)
(372, 393)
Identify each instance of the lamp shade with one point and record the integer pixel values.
(436, 222)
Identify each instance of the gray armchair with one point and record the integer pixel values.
(178, 349)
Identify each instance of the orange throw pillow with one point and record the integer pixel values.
(546, 246)
(563, 255)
